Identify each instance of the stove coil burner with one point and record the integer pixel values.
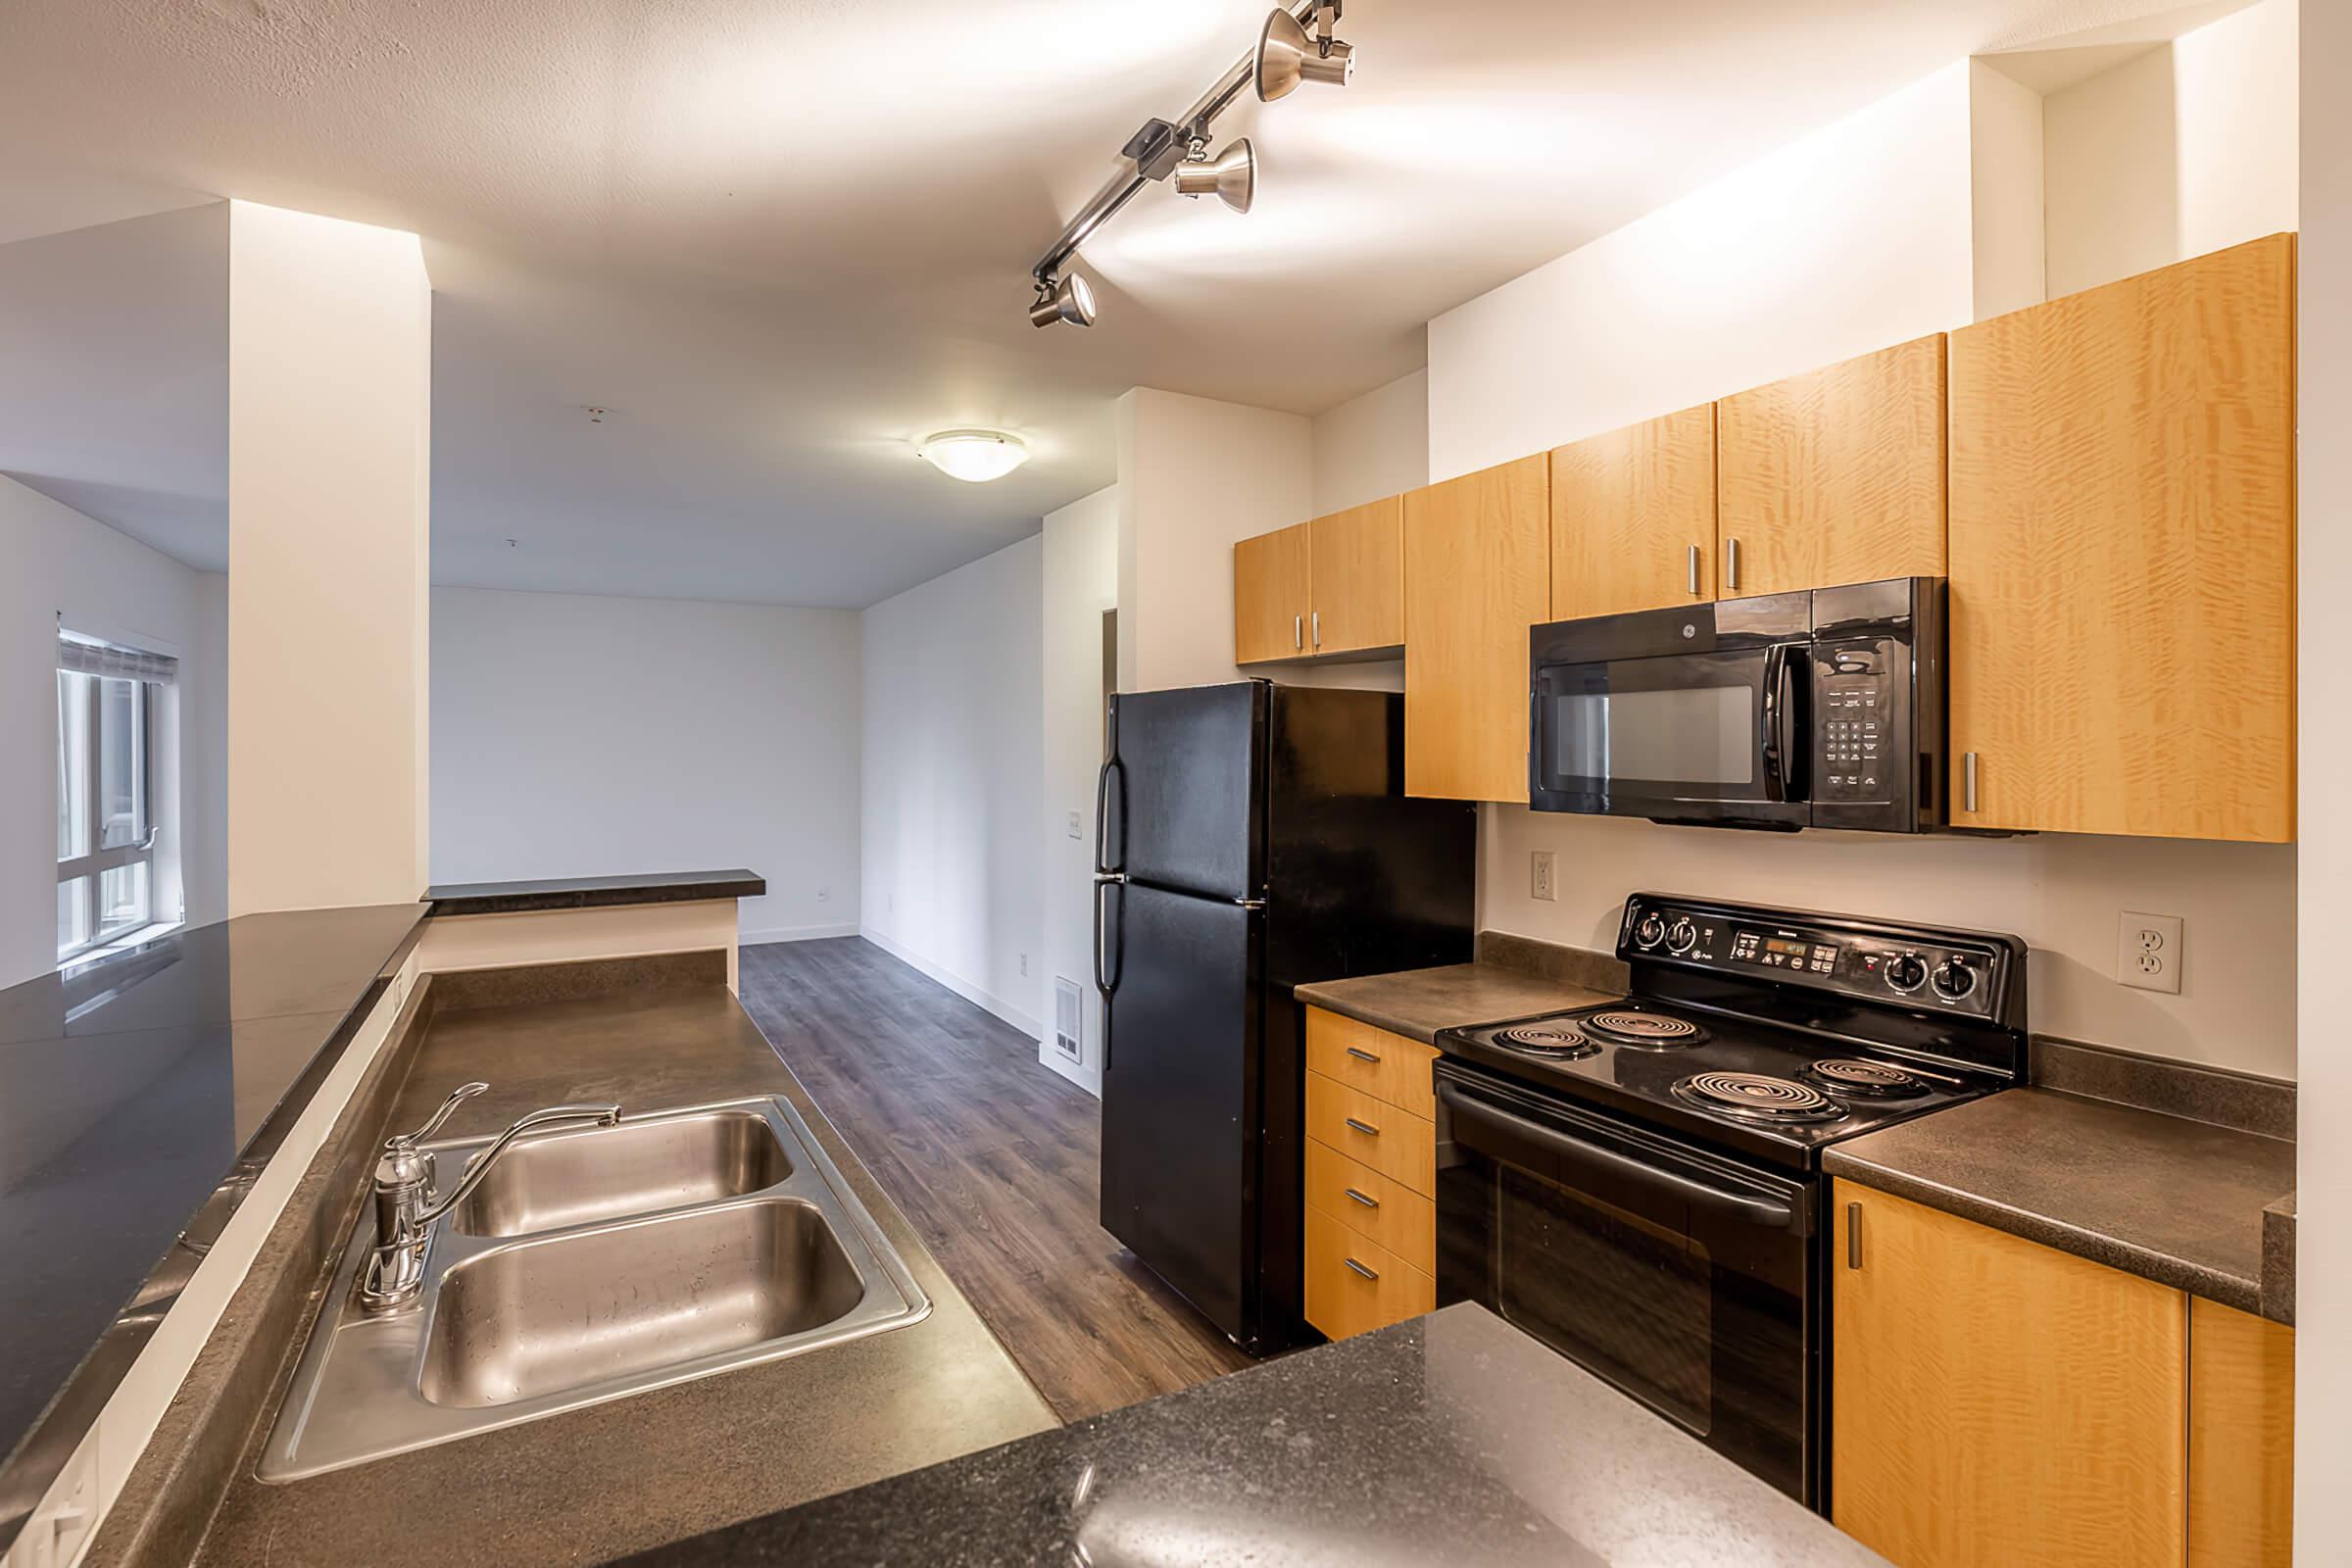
(1864, 1079)
(1651, 1030)
(1552, 1042)
(1754, 1096)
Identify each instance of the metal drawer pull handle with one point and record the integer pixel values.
(1362, 1054)
(1368, 1203)
(1365, 1128)
(1368, 1273)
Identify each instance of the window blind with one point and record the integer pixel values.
(85, 657)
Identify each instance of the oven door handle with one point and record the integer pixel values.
(1575, 1152)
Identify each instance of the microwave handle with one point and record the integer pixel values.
(1776, 720)
(1471, 1112)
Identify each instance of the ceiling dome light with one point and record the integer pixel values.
(1071, 300)
(1232, 178)
(974, 455)
(1287, 55)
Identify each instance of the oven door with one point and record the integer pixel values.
(1713, 736)
(1681, 1277)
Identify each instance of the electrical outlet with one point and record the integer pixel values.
(1540, 874)
(1024, 963)
(2150, 951)
(1077, 829)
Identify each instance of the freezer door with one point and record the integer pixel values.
(1183, 798)
(1180, 1096)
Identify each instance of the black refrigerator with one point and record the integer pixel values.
(1250, 838)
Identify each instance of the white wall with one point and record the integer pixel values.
(55, 560)
(953, 751)
(1373, 446)
(1081, 582)
(329, 391)
(1861, 236)
(2323, 922)
(1196, 475)
(2185, 149)
(584, 736)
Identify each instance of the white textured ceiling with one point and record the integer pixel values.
(779, 238)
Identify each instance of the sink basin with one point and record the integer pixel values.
(554, 1179)
(549, 1315)
(589, 1266)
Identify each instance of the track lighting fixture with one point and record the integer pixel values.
(1177, 151)
(1231, 177)
(1069, 299)
(1288, 54)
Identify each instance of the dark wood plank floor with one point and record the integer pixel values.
(991, 1157)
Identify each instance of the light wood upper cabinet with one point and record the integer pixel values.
(1272, 596)
(1477, 575)
(2242, 1438)
(1836, 476)
(1999, 1404)
(1358, 562)
(2122, 523)
(1632, 517)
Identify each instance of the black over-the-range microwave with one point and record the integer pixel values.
(1819, 709)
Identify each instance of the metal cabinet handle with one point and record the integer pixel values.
(1368, 1273)
(1297, 631)
(1316, 621)
(1731, 566)
(1695, 571)
(1362, 1054)
(1366, 1128)
(1968, 782)
(1854, 1235)
(1368, 1203)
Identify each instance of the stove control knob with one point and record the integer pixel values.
(1954, 979)
(1650, 932)
(1683, 936)
(1906, 971)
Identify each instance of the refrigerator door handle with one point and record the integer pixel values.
(1103, 866)
(1106, 975)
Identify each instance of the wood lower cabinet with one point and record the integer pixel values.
(2122, 555)
(1833, 476)
(1357, 558)
(1371, 1157)
(1272, 596)
(1998, 1402)
(1632, 517)
(1477, 576)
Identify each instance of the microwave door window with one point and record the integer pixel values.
(1663, 730)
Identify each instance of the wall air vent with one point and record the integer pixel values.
(1068, 1008)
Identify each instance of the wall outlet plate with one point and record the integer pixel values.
(1540, 883)
(1076, 830)
(2150, 951)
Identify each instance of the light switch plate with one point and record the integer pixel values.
(2150, 951)
(1076, 831)
(1540, 884)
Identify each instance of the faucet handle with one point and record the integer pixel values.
(457, 1097)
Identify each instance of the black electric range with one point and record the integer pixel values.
(1638, 1183)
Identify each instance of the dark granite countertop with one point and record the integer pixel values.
(1452, 1437)
(2175, 1201)
(592, 892)
(1418, 1003)
(665, 1463)
(130, 1088)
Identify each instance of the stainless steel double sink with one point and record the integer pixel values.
(593, 1264)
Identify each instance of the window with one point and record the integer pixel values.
(107, 699)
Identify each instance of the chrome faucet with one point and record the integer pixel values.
(407, 1213)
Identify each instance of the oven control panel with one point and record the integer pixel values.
(1921, 967)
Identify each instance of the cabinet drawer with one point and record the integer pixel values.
(1372, 1060)
(1354, 1286)
(1396, 1143)
(1381, 1211)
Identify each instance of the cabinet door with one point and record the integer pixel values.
(1271, 594)
(1477, 575)
(1359, 559)
(2242, 1438)
(1836, 476)
(2122, 555)
(1995, 1403)
(1632, 517)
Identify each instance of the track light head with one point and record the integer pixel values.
(1231, 177)
(1069, 299)
(1287, 55)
